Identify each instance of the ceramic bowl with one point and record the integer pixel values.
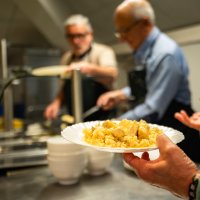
(98, 161)
(69, 168)
(58, 146)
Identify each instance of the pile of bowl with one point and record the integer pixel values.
(68, 161)
(98, 161)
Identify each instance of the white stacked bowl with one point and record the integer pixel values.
(66, 160)
(98, 161)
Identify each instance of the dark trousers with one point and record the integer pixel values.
(191, 144)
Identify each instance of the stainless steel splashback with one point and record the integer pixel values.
(34, 93)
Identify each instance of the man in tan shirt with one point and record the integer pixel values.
(93, 59)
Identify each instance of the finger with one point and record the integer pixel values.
(178, 116)
(183, 117)
(132, 160)
(103, 103)
(184, 114)
(163, 142)
(145, 156)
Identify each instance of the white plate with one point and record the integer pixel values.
(75, 134)
(57, 70)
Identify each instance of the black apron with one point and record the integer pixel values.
(136, 80)
(91, 90)
(191, 144)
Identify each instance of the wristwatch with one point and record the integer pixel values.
(194, 188)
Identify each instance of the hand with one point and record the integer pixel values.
(87, 68)
(51, 112)
(110, 99)
(192, 122)
(84, 67)
(173, 170)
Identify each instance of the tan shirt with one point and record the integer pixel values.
(100, 54)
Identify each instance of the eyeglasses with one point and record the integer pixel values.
(120, 33)
(78, 35)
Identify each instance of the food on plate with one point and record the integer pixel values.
(122, 134)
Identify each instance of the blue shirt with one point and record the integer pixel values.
(166, 76)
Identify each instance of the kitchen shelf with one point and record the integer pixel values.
(19, 149)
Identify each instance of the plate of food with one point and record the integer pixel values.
(119, 136)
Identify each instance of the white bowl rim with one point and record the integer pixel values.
(82, 151)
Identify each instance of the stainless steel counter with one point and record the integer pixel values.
(118, 184)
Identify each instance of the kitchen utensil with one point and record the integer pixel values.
(90, 111)
(62, 121)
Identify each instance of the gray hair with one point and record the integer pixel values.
(78, 19)
(142, 8)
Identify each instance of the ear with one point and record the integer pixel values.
(146, 21)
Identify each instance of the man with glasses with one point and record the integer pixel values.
(159, 81)
(96, 62)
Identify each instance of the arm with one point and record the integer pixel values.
(103, 74)
(192, 122)
(162, 86)
(110, 99)
(52, 110)
(173, 170)
(101, 64)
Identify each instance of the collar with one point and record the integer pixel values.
(144, 50)
(74, 57)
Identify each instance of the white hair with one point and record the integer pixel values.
(142, 8)
(78, 19)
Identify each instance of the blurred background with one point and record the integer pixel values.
(34, 37)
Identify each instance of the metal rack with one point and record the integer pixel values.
(17, 148)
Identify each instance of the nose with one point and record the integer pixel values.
(75, 40)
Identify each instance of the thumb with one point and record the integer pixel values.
(163, 142)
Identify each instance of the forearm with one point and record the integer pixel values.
(59, 99)
(104, 71)
(103, 74)
(142, 111)
(110, 99)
